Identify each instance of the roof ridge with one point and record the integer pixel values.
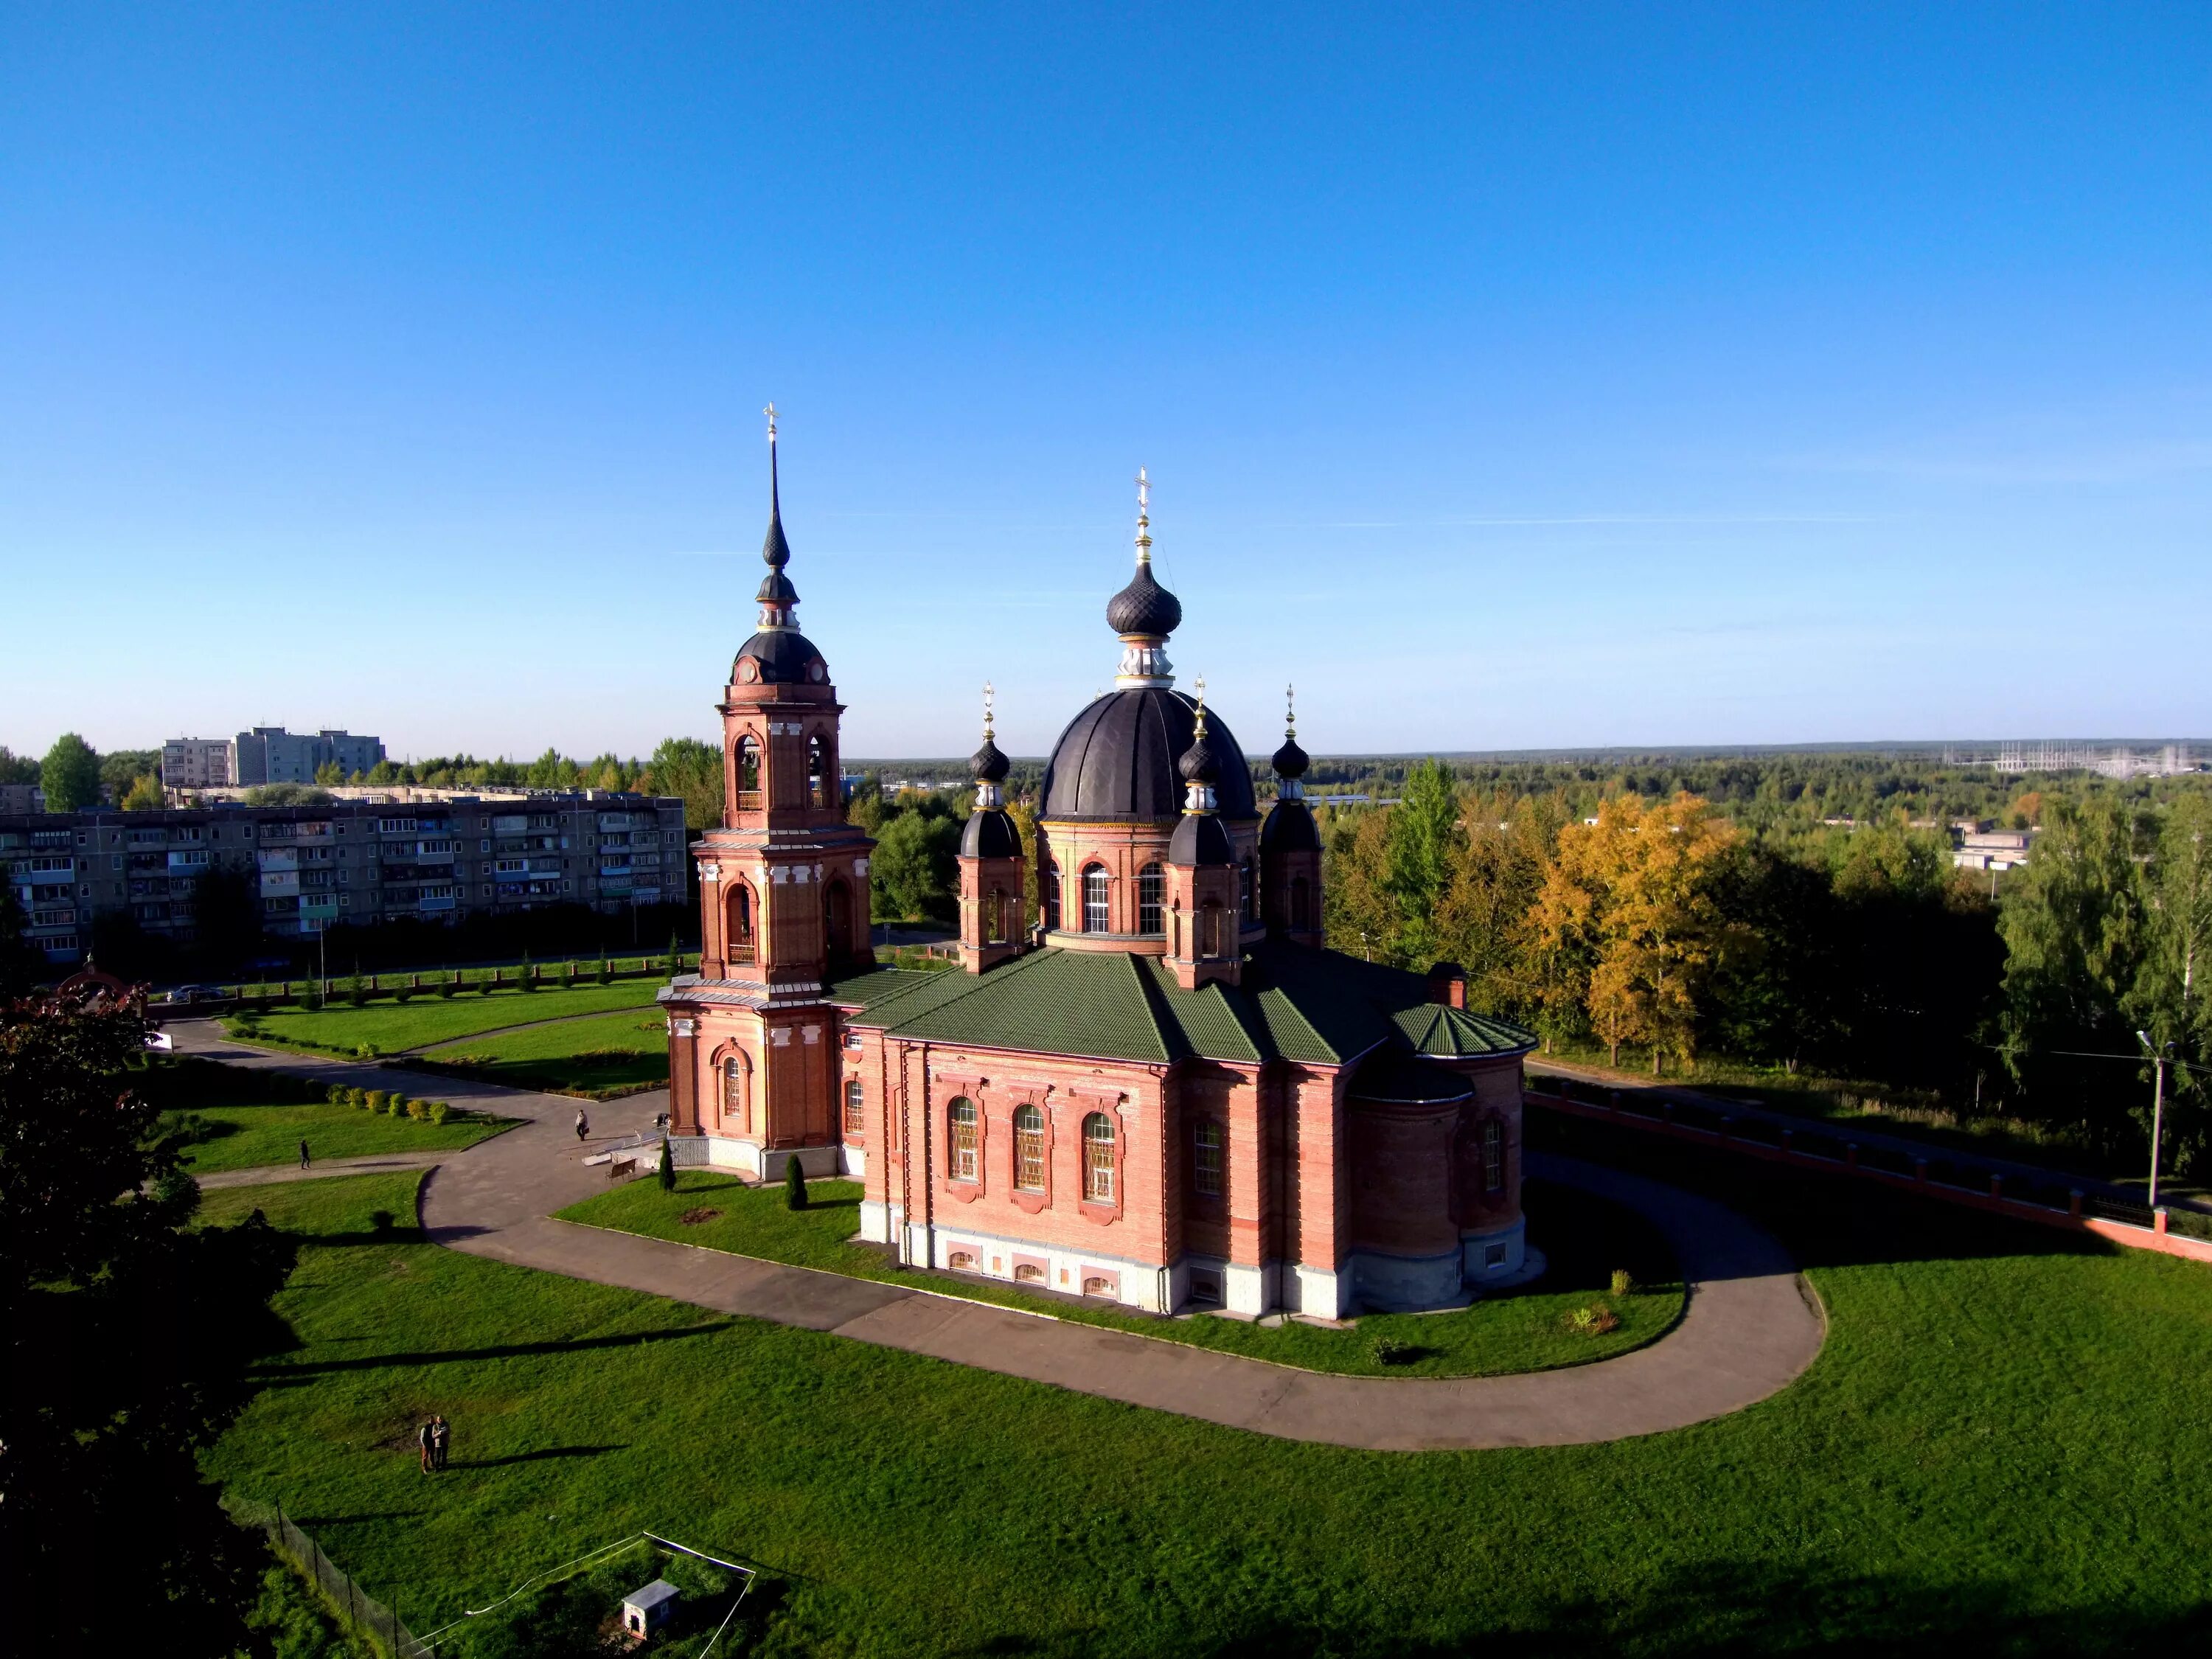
(1155, 1001)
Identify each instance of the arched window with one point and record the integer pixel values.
(856, 1106)
(964, 1161)
(837, 919)
(818, 772)
(1493, 1156)
(1029, 1149)
(735, 1077)
(1210, 931)
(1049, 890)
(994, 917)
(741, 922)
(748, 772)
(1099, 1158)
(1248, 893)
(1151, 881)
(1097, 888)
(1300, 904)
(1206, 1157)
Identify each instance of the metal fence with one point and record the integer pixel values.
(362, 1612)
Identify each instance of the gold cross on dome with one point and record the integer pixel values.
(988, 693)
(1143, 493)
(770, 412)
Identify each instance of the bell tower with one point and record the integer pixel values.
(783, 891)
(1203, 936)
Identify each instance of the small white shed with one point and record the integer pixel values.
(646, 1610)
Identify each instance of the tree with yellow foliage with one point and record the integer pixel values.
(1627, 925)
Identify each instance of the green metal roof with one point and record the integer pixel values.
(1316, 1007)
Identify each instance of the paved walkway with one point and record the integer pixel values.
(1750, 1329)
(264, 1175)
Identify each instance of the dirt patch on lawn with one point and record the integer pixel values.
(698, 1217)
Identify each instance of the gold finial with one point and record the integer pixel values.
(1290, 711)
(987, 695)
(1144, 518)
(1198, 686)
(770, 412)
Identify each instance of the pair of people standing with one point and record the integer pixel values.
(434, 1437)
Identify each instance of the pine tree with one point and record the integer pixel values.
(667, 1170)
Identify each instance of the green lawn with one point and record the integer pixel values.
(612, 1055)
(1997, 1451)
(1585, 1239)
(388, 1027)
(243, 1136)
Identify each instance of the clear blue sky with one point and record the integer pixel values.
(1511, 376)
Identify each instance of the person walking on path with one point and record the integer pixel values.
(441, 1434)
(303, 1154)
(583, 1126)
(427, 1439)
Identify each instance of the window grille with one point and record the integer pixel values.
(1096, 888)
(1048, 888)
(1099, 1158)
(1493, 1156)
(818, 772)
(1151, 880)
(741, 923)
(749, 774)
(1029, 1149)
(733, 1093)
(1248, 893)
(964, 1161)
(856, 1104)
(1206, 1157)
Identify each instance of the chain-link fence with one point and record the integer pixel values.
(362, 1613)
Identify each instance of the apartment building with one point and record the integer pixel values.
(361, 861)
(196, 762)
(270, 754)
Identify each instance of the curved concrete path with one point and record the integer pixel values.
(1751, 1326)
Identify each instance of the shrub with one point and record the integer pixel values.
(338, 1094)
(419, 1111)
(667, 1170)
(794, 1184)
(364, 1051)
(1593, 1320)
(380, 1219)
(448, 985)
(402, 994)
(606, 971)
(529, 972)
(375, 1100)
(357, 991)
(440, 1111)
(395, 1105)
(1622, 1284)
(1392, 1351)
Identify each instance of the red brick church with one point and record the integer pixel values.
(1164, 1090)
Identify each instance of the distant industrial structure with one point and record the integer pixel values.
(267, 754)
(2111, 760)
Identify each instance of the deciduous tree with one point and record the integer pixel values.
(71, 775)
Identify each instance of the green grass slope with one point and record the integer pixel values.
(1995, 1452)
(391, 1027)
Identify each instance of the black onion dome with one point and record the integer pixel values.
(775, 588)
(990, 833)
(1289, 829)
(988, 765)
(784, 656)
(1143, 606)
(1290, 761)
(1117, 760)
(1199, 764)
(1200, 839)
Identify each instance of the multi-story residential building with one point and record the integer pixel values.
(345, 861)
(270, 754)
(197, 763)
(21, 798)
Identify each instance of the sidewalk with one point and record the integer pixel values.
(1751, 1326)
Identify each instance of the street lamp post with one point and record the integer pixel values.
(2158, 1052)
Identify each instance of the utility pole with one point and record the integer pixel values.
(2158, 1054)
